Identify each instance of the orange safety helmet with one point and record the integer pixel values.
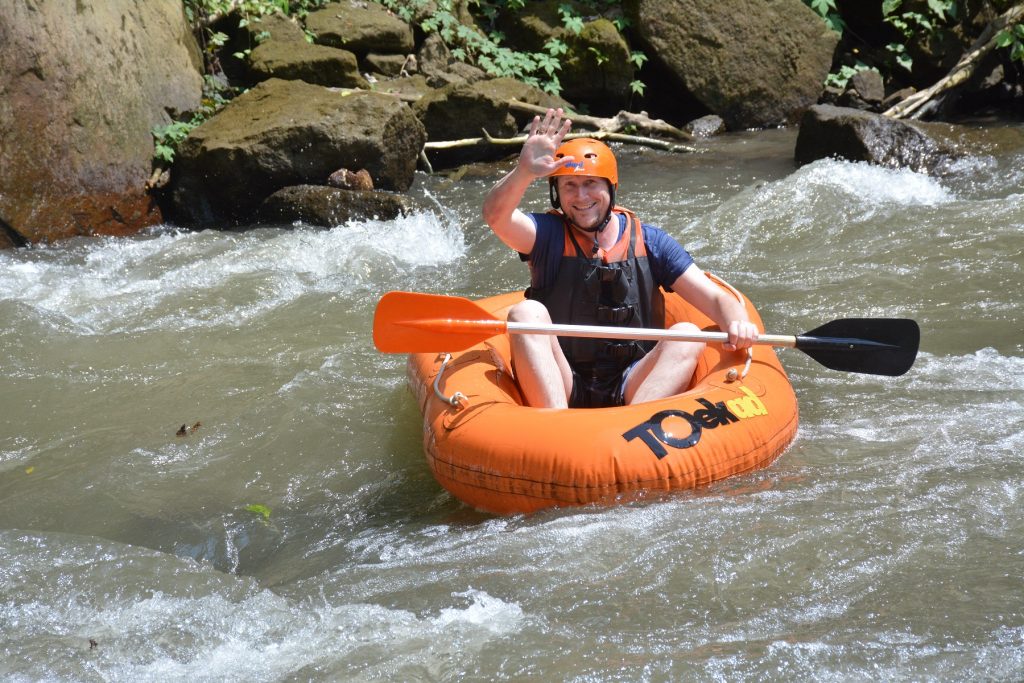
(590, 158)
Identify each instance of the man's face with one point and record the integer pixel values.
(584, 199)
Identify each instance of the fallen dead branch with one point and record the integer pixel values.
(622, 121)
(599, 135)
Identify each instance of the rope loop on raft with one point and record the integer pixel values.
(734, 374)
(458, 398)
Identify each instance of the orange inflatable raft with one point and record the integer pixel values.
(496, 454)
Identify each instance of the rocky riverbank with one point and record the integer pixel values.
(334, 129)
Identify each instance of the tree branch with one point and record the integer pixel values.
(599, 135)
(618, 123)
(621, 121)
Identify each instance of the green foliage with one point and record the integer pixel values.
(913, 25)
(168, 138)
(841, 78)
(1013, 38)
(200, 10)
(486, 50)
(201, 14)
(572, 21)
(826, 9)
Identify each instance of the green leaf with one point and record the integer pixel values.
(555, 47)
(823, 7)
(258, 509)
(1004, 38)
(941, 8)
(890, 6)
(836, 23)
(164, 153)
(553, 87)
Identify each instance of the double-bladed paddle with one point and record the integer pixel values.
(410, 322)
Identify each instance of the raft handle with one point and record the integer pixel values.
(455, 399)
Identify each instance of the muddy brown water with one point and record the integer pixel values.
(294, 531)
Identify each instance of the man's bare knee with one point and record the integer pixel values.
(684, 350)
(529, 311)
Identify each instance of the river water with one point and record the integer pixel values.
(294, 531)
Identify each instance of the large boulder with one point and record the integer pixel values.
(284, 133)
(755, 64)
(331, 206)
(855, 135)
(299, 60)
(360, 27)
(274, 26)
(81, 87)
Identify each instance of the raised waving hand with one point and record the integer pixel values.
(538, 154)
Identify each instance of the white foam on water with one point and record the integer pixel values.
(485, 611)
(154, 618)
(813, 207)
(175, 279)
(868, 183)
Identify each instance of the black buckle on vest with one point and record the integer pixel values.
(620, 350)
(615, 315)
(608, 283)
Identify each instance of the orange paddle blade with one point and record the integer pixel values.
(410, 322)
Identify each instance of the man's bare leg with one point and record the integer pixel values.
(541, 368)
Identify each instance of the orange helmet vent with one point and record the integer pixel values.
(590, 157)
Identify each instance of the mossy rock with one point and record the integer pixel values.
(316, 64)
(362, 28)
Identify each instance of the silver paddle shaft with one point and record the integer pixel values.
(597, 332)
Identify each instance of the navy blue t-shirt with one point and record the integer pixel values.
(667, 258)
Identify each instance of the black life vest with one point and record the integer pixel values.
(614, 288)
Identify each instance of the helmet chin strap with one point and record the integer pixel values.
(597, 230)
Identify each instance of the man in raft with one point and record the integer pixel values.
(593, 263)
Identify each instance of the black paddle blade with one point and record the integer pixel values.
(875, 346)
